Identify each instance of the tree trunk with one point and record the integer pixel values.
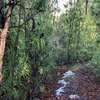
(86, 8)
(3, 35)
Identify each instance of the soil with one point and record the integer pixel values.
(84, 84)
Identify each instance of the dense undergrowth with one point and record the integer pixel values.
(42, 41)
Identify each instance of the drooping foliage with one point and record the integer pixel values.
(39, 39)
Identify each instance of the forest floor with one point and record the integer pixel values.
(78, 83)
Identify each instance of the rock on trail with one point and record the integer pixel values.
(61, 90)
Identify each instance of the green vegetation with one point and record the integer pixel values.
(38, 41)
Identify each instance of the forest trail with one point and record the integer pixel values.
(78, 84)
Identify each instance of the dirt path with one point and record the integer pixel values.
(73, 85)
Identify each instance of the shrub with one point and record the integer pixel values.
(96, 62)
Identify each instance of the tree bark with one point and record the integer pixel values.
(86, 8)
(3, 35)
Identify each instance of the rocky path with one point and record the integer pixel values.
(73, 85)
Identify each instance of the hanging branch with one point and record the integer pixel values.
(4, 33)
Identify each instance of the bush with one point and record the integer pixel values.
(96, 62)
